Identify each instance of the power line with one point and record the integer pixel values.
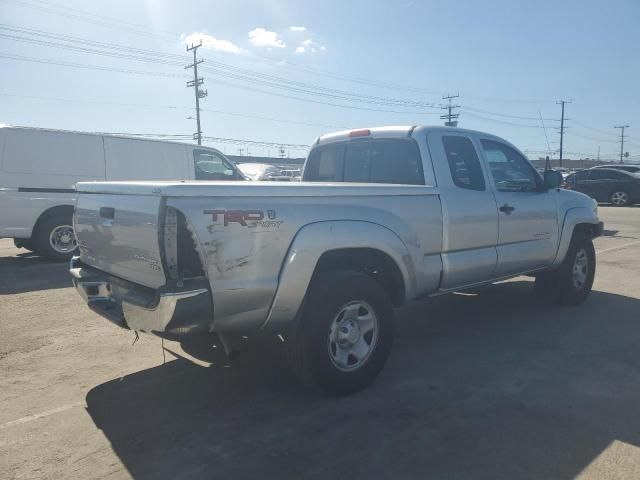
(167, 36)
(138, 72)
(465, 107)
(219, 68)
(173, 107)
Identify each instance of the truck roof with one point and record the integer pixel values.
(390, 132)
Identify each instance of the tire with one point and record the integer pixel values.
(571, 283)
(619, 198)
(338, 307)
(52, 238)
(25, 243)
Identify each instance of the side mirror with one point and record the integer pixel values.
(552, 179)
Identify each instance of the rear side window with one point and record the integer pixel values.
(325, 164)
(367, 161)
(464, 163)
(602, 174)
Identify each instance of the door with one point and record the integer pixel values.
(578, 181)
(527, 213)
(469, 212)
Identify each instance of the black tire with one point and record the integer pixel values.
(308, 341)
(619, 198)
(44, 230)
(559, 286)
(25, 243)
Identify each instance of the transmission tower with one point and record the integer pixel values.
(195, 83)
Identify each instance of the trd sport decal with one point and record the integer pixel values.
(245, 218)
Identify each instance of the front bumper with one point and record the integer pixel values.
(598, 229)
(170, 312)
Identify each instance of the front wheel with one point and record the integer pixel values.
(619, 198)
(55, 239)
(343, 337)
(571, 283)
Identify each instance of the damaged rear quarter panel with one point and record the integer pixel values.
(244, 241)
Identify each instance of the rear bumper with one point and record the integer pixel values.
(170, 312)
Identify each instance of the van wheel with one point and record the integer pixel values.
(571, 283)
(55, 238)
(619, 199)
(343, 337)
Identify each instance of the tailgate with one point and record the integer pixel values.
(118, 234)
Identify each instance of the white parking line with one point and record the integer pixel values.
(36, 416)
(605, 250)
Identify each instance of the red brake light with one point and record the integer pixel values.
(360, 133)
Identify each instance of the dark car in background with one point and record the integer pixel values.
(626, 168)
(607, 185)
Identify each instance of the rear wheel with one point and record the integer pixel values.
(343, 338)
(619, 198)
(55, 239)
(571, 283)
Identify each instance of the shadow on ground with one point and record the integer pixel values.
(490, 385)
(28, 272)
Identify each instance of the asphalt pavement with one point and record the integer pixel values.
(489, 384)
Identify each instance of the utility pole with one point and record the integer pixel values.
(195, 83)
(598, 152)
(622, 127)
(562, 102)
(450, 117)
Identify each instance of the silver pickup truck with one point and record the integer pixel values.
(383, 216)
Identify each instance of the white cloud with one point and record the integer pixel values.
(293, 28)
(307, 42)
(210, 42)
(260, 37)
(323, 48)
(300, 49)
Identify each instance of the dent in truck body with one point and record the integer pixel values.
(244, 262)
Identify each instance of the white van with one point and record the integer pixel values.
(39, 169)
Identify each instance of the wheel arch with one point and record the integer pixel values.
(50, 212)
(578, 219)
(353, 245)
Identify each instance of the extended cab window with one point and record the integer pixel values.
(511, 172)
(464, 163)
(211, 166)
(368, 161)
(325, 164)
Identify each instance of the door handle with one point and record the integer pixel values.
(108, 213)
(506, 208)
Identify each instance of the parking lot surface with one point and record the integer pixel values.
(489, 384)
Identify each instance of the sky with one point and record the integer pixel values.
(284, 72)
